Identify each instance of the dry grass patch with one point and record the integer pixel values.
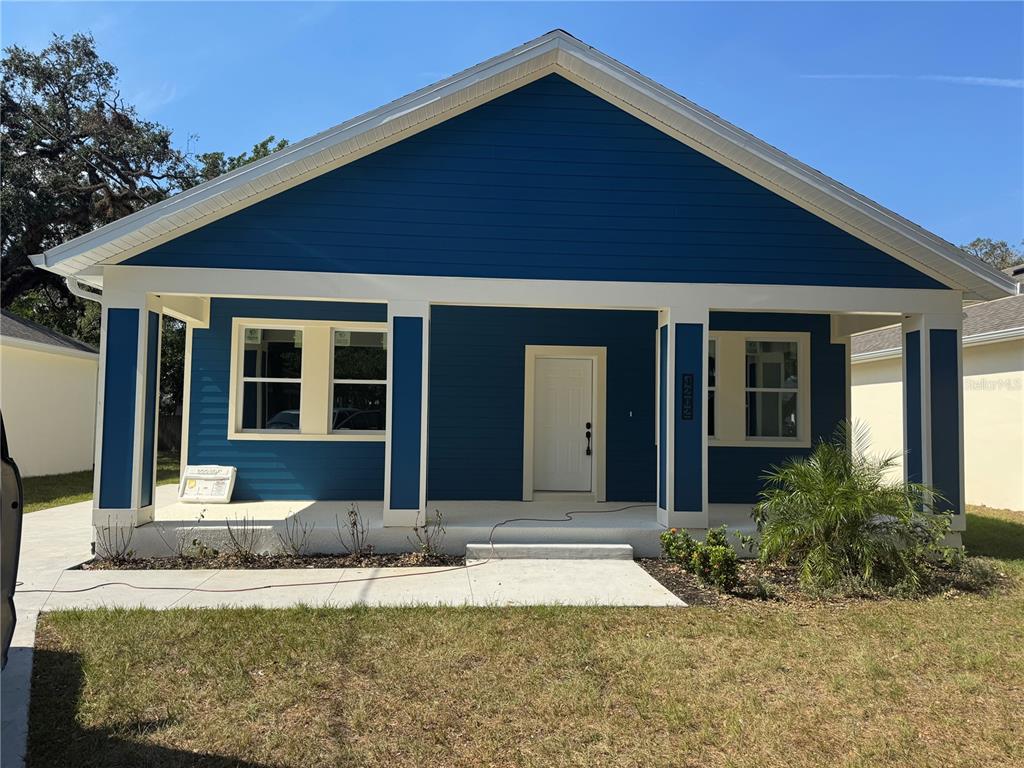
(888, 683)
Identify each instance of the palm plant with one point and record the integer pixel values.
(837, 516)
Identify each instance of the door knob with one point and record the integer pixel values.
(588, 439)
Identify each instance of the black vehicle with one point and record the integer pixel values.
(10, 541)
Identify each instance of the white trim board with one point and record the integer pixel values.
(47, 349)
(599, 356)
(129, 286)
(555, 52)
(977, 339)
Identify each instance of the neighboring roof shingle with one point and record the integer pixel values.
(989, 317)
(15, 327)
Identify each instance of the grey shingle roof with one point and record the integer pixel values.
(16, 327)
(991, 316)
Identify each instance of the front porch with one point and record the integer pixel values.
(696, 392)
(556, 519)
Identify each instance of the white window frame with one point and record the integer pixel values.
(731, 390)
(317, 382)
(269, 380)
(330, 401)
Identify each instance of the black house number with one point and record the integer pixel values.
(686, 403)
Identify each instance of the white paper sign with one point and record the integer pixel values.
(207, 483)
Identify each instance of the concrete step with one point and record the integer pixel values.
(487, 551)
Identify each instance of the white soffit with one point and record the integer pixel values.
(560, 53)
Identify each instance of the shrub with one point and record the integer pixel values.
(716, 565)
(836, 516)
(717, 537)
(677, 546)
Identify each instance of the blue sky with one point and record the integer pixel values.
(920, 106)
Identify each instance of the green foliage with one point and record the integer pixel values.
(73, 157)
(717, 537)
(712, 561)
(716, 565)
(997, 253)
(215, 164)
(677, 546)
(836, 516)
(172, 365)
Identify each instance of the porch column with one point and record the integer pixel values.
(682, 425)
(126, 412)
(933, 406)
(405, 461)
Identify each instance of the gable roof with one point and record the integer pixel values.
(31, 334)
(991, 321)
(556, 52)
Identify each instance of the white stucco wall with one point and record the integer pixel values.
(993, 417)
(49, 407)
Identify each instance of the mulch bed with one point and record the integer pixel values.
(758, 582)
(264, 562)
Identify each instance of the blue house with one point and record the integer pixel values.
(542, 285)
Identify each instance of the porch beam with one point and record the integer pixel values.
(269, 284)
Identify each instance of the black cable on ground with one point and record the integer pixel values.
(566, 517)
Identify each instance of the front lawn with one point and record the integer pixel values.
(48, 491)
(866, 683)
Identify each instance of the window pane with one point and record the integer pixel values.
(772, 364)
(270, 405)
(771, 414)
(711, 412)
(358, 406)
(711, 363)
(360, 355)
(273, 353)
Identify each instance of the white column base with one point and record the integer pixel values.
(692, 520)
(402, 518)
(122, 518)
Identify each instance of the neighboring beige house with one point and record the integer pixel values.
(47, 396)
(993, 374)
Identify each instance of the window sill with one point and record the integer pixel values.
(334, 437)
(759, 443)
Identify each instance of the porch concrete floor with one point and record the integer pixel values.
(550, 518)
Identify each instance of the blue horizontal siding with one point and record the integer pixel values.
(476, 373)
(734, 473)
(275, 469)
(548, 181)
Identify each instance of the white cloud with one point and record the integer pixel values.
(997, 82)
(150, 100)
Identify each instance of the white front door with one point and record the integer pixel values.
(563, 414)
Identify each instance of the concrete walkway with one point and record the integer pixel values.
(56, 539)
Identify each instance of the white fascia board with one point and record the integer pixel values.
(125, 285)
(977, 339)
(49, 349)
(555, 52)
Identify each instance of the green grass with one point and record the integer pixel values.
(48, 491)
(858, 683)
(997, 533)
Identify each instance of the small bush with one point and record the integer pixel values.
(677, 546)
(716, 566)
(845, 526)
(717, 537)
(712, 561)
